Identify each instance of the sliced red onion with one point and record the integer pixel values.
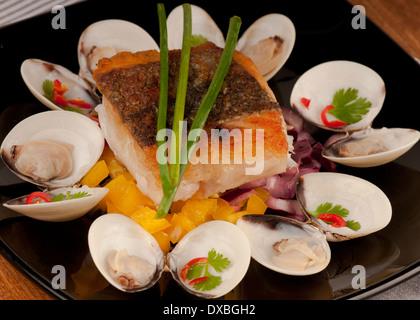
(236, 196)
(254, 184)
(287, 207)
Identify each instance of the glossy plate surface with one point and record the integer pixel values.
(388, 256)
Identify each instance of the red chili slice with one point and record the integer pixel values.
(336, 220)
(59, 99)
(198, 280)
(190, 264)
(331, 124)
(81, 103)
(37, 197)
(59, 87)
(305, 102)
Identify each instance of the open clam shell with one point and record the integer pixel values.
(285, 245)
(131, 260)
(60, 127)
(35, 71)
(363, 207)
(269, 41)
(372, 147)
(105, 38)
(125, 253)
(225, 239)
(320, 83)
(60, 211)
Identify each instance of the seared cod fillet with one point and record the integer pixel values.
(129, 83)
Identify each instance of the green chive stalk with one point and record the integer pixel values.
(171, 180)
(176, 141)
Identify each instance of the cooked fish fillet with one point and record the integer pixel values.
(129, 83)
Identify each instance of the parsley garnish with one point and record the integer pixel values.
(197, 39)
(69, 196)
(200, 271)
(348, 107)
(47, 86)
(338, 210)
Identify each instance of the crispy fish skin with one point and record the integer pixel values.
(129, 83)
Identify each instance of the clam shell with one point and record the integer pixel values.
(113, 34)
(263, 231)
(320, 83)
(35, 71)
(397, 141)
(202, 24)
(225, 238)
(270, 25)
(366, 203)
(65, 126)
(114, 232)
(62, 210)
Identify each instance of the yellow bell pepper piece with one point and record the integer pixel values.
(146, 218)
(180, 226)
(199, 211)
(162, 238)
(255, 205)
(96, 174)
(114, 165)
(125, 195)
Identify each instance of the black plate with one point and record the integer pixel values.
(324, 32)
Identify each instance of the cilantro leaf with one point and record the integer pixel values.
(47, 86)
(198, 272)
(353, 225)
(217, 261)
(197, 39)
(328, 208)
(211, 283)
(348, 107)
(195, 271)
(69, 196)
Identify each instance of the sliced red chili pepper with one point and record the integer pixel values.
(59, 99)
(59, 87)
(36, 197)
(336, 220)
(81, 103)
(198, 280)
(305, 102)
(190, 264)
(331, 124)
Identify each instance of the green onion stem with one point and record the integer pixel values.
(163, 96)
(176, 141)
(204, 109)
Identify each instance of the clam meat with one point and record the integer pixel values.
(129, 271)
(285, 245)
(371, 147)
(43, 160)
(125, 253)
(268, 42)
(53, 149)
(208, 262)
